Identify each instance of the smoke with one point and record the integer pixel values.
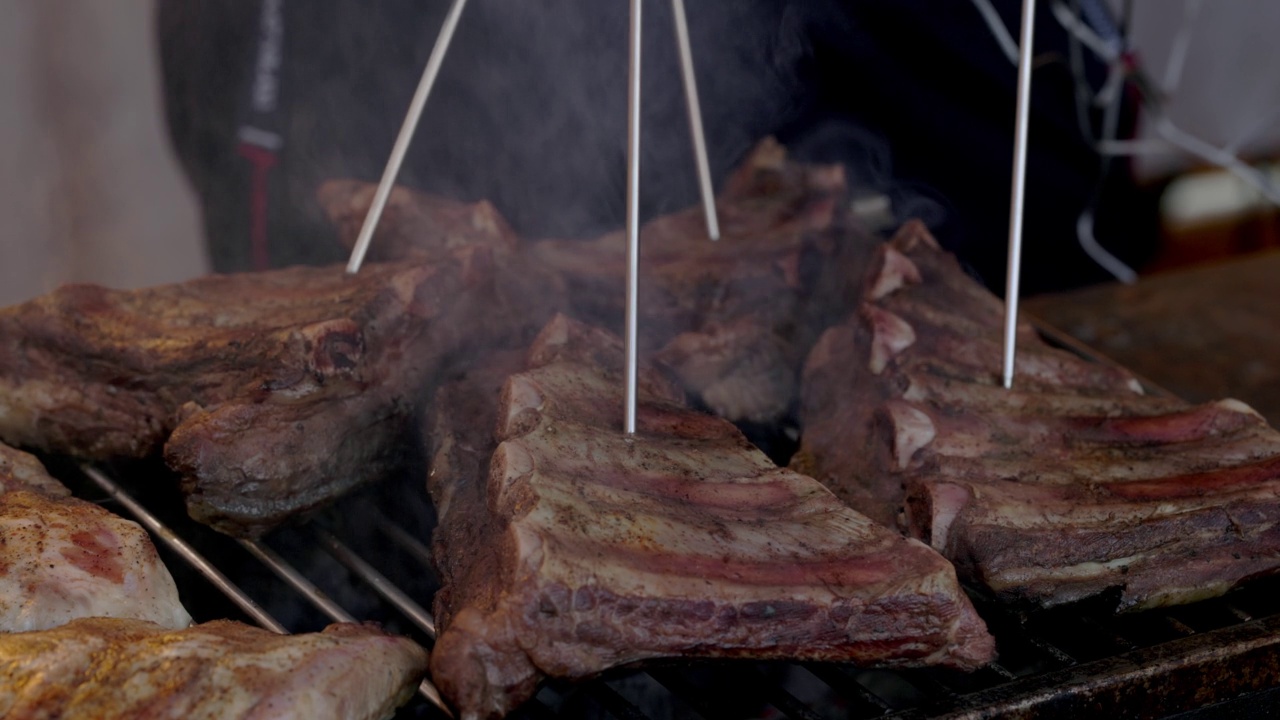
(530, 113)
(529, 110)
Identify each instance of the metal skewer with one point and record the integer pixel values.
(406, 136)
(633, 216)
(1021, 119)
(695, 119)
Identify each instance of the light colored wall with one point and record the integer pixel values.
(1230, 87)
(89, 187)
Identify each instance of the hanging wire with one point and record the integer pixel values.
(1194, 146)
(998, 29)
(1107, 41)
(1181, 44)
(1173, 135)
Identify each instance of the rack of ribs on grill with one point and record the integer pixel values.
(270, 393)
(1073, 484)
(733, 318)
(63, 558)
(109, 668)
(570, 548)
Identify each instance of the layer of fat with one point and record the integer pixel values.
(1005, 507)
(912, 430)
(890, 335)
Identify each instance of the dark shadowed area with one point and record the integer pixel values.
(529, 112)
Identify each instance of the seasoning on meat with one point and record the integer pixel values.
(107, 668)
(573, 549)
(1070, 485)
(63, 558)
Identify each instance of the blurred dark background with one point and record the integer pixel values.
(915, 97)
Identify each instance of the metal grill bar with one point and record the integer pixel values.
(1001, 670)
(687, 692)
(929, 685)
(1239, 614)
(1174, 663)
(407, 542)
(1152, 682)
(321, 601)
(786, 703)
(183, 548)
(267, 556)
(1178, 626)
(1051, 650)
(376, 580)
(613, 703)
(297, 581)
(1125, 644)
(535, 710)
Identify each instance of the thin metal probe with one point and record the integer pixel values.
(695, 119)
(407, 129)
(1014, 268)
(316, 597)
(377, 581)
(188, 553)
(633, 216)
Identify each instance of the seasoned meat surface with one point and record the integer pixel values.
(734, 318)
(106, 668)
(271, 393)
(580, 549)
(63, 558)
(1072, 484)
(413, 224)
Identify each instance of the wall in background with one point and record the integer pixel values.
(1228, 93)
(89, 188)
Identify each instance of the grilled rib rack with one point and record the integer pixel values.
(1056, 664)
(366, 558)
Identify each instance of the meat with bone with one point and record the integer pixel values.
(271, 392)
(1070, 485)
(63, 558)
(413, 224)
(110, 668)
(581, 549)
(733, 318)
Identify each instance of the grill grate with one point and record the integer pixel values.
(1053, 663)
(1057, 663)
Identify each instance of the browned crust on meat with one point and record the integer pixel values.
(111, 668)
(1069, 485)
(587, 550)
